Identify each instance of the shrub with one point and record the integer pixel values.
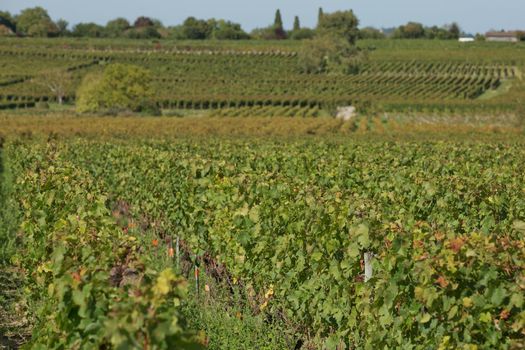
(328, 54)
(120, 88)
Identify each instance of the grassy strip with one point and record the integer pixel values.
(15, 320)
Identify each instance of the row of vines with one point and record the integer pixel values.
(441, 221)
(191, 79)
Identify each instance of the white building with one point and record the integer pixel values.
(509, 37)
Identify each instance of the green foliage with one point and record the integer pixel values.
(116, 28)
(414, 30)
(143, 33)
(88, 30)
(411, 30)
(196, 29)
(62, 26)
(36, 22)
(120, 88)
(329, 54)
(7, 21)
(142, 22)
(226, 30)
(72, 250)
(278, 21)
(302, 34)
(296, 24)
(443, 219)
(371, 33)
(340, 24)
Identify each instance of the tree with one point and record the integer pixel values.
(341, 23)
(278, 22)
(320, 15)
(330, 54)
(62, 25)
(36, 22)
(116, 28)
(296, 24)
(278, 26)
(454, 31)
(143, 33)
(196, 29)
(303, 34)
(142, 22)
(58, 81)
(8, 21)
(226, 30)
(411, 30)
(88, 30)
(371, 33)
(119, 88)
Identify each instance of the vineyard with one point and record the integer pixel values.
(289, 225)
(218, 77)
(245, 216)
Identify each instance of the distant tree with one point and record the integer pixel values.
(454, 31)
(411, 30)
(116, 28)
(266, 33)
(88, 30)
(278, 26)
(119, 88)
(296, 24)
(36, 22)
(226, 30)
(143, 33)
(302, 34)
(371, 33)
(521, 35)
(278, 22)
(436, 32)
(479, 37)
(341, 23)
(330, 54)
(176, 32)
(196, 29)
(62, 25)
(57, 81)
(142, 22)
(320, 15)
(7, 20)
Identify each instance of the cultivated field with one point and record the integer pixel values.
(248, 217)
(398, 75)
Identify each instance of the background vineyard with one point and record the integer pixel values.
(398, 76)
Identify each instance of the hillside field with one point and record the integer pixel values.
(399, 75)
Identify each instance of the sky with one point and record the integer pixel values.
(473, 15)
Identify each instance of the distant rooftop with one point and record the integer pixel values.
(512, 34)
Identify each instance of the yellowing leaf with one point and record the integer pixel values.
(467, 302)
(163, 284)
(426, 317)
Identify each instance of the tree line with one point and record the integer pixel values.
(36, 22)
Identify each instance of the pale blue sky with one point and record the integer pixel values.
(473, 15)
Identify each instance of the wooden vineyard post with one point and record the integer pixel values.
(177, 252)
(368, 265)
(196, 271)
